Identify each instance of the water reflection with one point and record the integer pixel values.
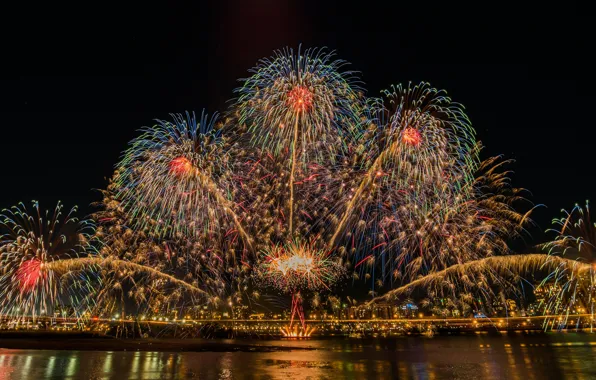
(482, 356)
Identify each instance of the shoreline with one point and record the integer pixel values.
(84, 341)
(90, 342)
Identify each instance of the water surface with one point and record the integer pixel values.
(514, 356)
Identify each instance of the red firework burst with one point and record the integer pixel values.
(29, 273)
(180, 166)
(300, 98)
(411, 136)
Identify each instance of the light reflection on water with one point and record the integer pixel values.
(549, 356)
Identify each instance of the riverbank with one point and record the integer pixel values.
(85, 341)
(92, 342)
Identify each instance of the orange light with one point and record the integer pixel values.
(295, 332)
(180, 166)
(300, 98)
(411, 136)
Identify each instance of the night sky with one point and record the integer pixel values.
(81, 82)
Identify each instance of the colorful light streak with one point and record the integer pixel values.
(303, 179)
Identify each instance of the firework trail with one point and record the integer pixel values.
(68, 265)
(492, 269)
(422, 201)
(173, 180)
(301, 109)
(427, 146)
(570, 281)
(157, 273)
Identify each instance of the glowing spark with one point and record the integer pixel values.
(411, 136)
(300, 98)
(29, 273)
(180, 166)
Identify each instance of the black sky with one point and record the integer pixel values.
(81, 82)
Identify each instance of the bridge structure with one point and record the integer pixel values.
(545, 322)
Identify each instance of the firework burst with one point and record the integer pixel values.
(157, 273)
(420, 200)
(173, 180)
(30, 243)
(422, 157)
(571, 286)
(301, 109)
(311, 178)
(295, 268)
(298, 267)
(409, 240)
(302, 101)
(428, 145)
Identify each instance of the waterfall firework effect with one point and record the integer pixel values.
(304, 181)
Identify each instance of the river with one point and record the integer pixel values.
(480, 356)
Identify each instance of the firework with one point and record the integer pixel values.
(172, 180)
(571, 286)
(298, 267)
(158, 274)
(428, 142)
(52, 259)
(29, 245)
(400, 195)
(410, 241)
(570, 267)
(295, 268)
(575, 235)
(304, 179)
(424, 202)
(69, 265)
(490, 269)
(301, 109)
(424, 156)
(166, 271)
(299, 100)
